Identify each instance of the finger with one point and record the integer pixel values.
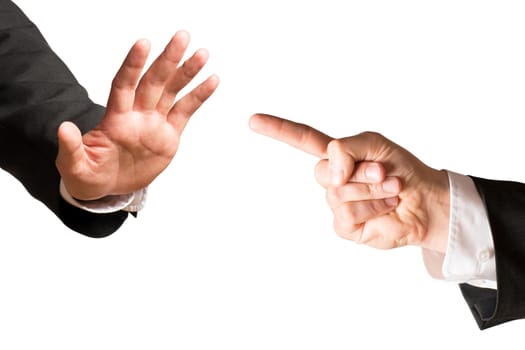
(365, 172)
(70, 150)
(368, 172)
(350, 217)
(297, 135)
(321, 173)
(340, 163)
(385, 233)
(152, 83)
(356, 191)
(181, 112)
(180, 79)
(122, 92)
(370, 146)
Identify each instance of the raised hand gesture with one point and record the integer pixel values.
(141, 130)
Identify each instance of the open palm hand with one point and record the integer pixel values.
(141, 130)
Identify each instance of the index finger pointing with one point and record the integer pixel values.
(298, 135)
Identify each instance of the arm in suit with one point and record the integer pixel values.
(505, 205)
(418, 214)
(51, 130)
(37, 93)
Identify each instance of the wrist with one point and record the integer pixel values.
(131, 202)
(86, 193)
(437, 207)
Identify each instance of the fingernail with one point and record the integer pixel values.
(373, 172)
(392, 201)
(391, 185)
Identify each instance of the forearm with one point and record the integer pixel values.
(37, 93)
(504, 202)
(469, 253)
(486, 248)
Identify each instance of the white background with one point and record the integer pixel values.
(235, 249)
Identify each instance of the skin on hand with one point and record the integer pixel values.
(141, 130)
(380, 194)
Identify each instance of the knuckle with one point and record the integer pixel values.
(320, 172)
(347, 215)
(187, 72)
(366, 190)
(332, 196)
(154, 82)
(377, 206)
(306, 135)
(374, 135)
(335, 144)
(340, 229)
(346, 232)
(170, 56)
(375, 191)
(400, 242)
(118, 84)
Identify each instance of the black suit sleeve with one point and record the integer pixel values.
(505, 205)
(37, 93)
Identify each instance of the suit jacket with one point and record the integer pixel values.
(505, 205)
(37, 93)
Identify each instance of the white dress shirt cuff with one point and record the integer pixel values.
(469, 257)
(131, 202)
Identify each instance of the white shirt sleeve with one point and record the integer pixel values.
(469, 257)
(131, 202)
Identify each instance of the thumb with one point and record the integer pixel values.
(343, 154)
(69, 147)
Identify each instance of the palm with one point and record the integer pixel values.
(129, 155)
(408, 223)
(140, 133)
(422, 215)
